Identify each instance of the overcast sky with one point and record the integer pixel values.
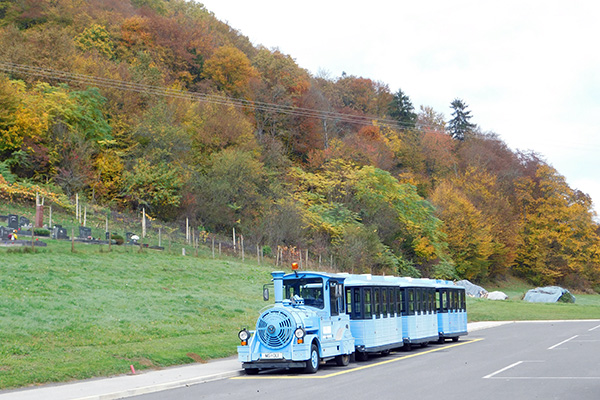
(529, 70)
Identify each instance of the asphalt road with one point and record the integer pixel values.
(530, 360)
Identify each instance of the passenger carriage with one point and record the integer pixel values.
(451, 310)
(419, 314)
(374, 304)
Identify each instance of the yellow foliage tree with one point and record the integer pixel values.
(559, 239)
(230, 69)
(468, 235)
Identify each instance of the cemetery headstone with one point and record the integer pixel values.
(4, 232)
(24, 221)
(13, 221)
(85, 232)
(59, 232)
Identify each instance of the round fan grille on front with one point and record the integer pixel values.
(275, 328)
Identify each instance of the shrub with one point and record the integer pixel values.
(267, 251)
(118, 238)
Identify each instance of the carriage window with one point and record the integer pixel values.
(393, 301)
(463, 301)
(357, 303)
(367, 303)
(432, 300)
(445, 300)
(349, 301)
(384, 303)
(438, 302)
(411, 301)
(453, 300)
(402, 306)
(377, 301)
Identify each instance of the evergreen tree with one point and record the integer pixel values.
(459, 125)
(402, 110)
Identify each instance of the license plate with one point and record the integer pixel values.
(271, 356)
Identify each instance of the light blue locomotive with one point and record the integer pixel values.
(319, 317)
(307, 324)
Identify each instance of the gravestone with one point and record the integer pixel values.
(85, 232)
(24, 221)
(59, 232)
(4, 232)
(13, 221)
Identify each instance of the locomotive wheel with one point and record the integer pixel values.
(455, 339)
(385, 353)
(312, 365)
(252, 371)
(342, 360)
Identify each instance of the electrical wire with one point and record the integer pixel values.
(196, 96)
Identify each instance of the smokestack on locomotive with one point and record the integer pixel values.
(278, 286)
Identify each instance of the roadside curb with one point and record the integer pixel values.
(123, 386)
(161, 387)
(477, 326)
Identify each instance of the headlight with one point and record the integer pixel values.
(243, 335)
(299, 333)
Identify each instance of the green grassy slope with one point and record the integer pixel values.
(69, 316)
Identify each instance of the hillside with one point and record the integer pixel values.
(158, 105)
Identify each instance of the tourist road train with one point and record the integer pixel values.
(321, 317)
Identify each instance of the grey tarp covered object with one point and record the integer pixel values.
(497, 296)
(548, 294)
(472, 289)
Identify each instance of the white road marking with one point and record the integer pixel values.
(596, 327)
(563, 342)
(563, 378)
(503, 369)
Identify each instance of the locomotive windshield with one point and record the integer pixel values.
(310, 289)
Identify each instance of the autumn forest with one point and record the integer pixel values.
(157, 104)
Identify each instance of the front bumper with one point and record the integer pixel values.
(274, 364)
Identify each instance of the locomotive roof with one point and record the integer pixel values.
(339, 276)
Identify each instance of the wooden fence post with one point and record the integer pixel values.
(242, 245)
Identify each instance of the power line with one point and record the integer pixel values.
(209, 98)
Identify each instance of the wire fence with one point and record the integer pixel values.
(93, 225)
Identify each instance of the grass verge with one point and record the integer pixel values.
(66, 316)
